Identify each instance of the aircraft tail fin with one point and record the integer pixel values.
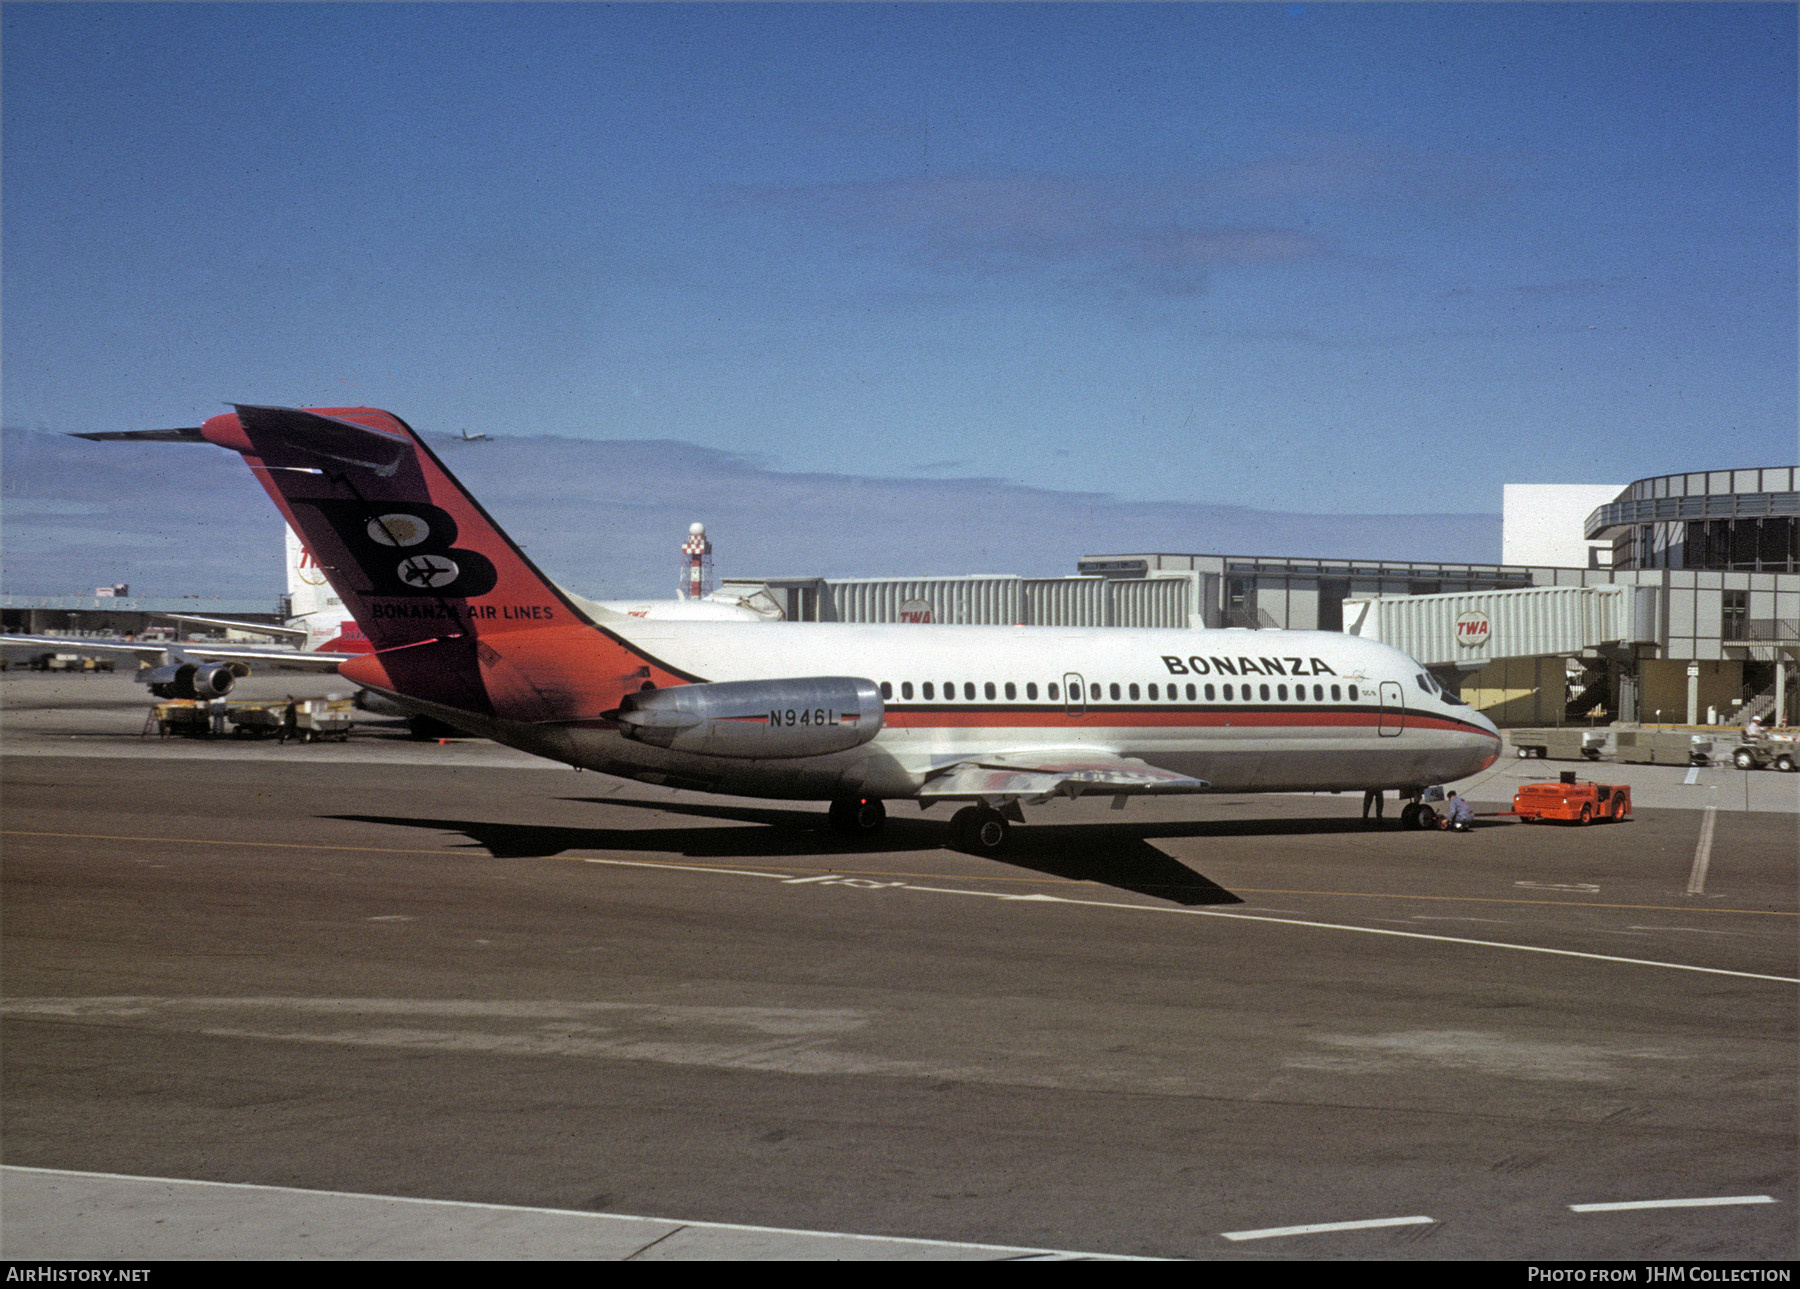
(456, 613)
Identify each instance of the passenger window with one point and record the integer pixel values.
(1190, 692)
(1153, 692)
(1133, 691)
(1265, 693)
(887, 691)
(1012, 691)
(1031, 691)
(1318, 693)
(1115, 692)
(988, 689)
(950, 689)
(1209, 693)
(969, 690)
(1051, 690)
(1281, 692)
(1352, 693)
(1228, 693)
(1336, 694)
(906, 689)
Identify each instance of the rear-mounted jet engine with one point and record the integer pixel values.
(755, 719)
(203, 680)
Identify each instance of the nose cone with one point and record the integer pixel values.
(1484, 741)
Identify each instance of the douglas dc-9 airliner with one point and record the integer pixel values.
(465, 629)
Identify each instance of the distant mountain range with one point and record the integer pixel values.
(607, 518)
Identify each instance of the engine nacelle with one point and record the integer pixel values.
(204, 680)
(756, 719)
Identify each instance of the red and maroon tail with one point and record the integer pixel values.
(456, 614)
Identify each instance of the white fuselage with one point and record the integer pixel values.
(1245, 711)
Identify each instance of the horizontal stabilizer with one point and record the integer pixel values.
(1041, 777)
(310, 438)
(191, 434)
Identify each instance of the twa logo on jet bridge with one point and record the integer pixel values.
(1472, 629)
(1242, 666)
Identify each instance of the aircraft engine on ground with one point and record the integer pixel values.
(756, 719)
(204, 680)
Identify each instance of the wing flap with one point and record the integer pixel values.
(1040, 777)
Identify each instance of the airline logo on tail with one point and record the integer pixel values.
(454, 612)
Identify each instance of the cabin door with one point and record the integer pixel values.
(1073, 701)
(1393, 710)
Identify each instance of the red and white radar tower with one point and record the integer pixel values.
(697, 556)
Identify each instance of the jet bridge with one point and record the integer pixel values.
(1468, 630)
(1512, 653)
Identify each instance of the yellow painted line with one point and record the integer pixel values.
(884, 872)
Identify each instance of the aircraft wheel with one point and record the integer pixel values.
(1409, 817)
(979, 830)
(857, 816)
(1427, 818)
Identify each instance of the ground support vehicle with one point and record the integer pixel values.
(1768, 752)
(315, 720)
(1572, 801)
(1663, 747)
(1559, 745)
(183, 716)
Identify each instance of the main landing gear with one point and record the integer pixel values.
(1418, 815)
(979, 830)
(857, 817)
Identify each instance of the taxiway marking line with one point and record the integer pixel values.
(1042, 898)
(883, 872)
(569, 1212)
(1703, 852)
(1716, 1201)
(1274, 1232)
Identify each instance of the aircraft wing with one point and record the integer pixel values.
(259, 628)
(1038, 776)
(152, 651)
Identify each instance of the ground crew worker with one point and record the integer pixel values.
(290, 721)
(1461, 814)
(1372, 798)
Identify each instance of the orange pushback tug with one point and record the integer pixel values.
(1573, 802)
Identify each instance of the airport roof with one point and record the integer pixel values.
(213, 605)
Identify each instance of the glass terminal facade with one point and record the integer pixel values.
(1739, 521)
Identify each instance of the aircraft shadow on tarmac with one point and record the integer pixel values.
(1109, 854)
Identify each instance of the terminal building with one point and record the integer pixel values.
(1670, 600)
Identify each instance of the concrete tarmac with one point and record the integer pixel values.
(1234, 1027)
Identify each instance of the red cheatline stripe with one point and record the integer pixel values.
(1216, 718)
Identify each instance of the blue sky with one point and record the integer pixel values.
(1319, 258)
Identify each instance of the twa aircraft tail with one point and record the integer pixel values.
(460, 621)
